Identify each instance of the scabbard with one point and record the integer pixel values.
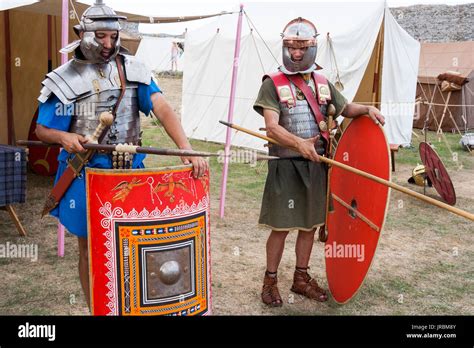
(72, 171)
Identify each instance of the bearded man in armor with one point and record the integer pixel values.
(294, 197)
(76, 93)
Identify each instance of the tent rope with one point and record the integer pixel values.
(255, 45)
(217, 90)
(261, 38)
(439, 104)
(333, 58)
(218, 96)
(256, 49)
(424, 102)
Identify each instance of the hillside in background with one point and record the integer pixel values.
(437, 23)
(426, 23)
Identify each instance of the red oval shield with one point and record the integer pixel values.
(359, 207)
(437, 173)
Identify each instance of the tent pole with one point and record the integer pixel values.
(64, 28)
(50, 30)
(64, 58)
(463, 108)
(230, 113)
(376, 87)
(8, 78)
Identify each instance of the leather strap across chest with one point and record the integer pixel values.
(123, 84)
(299, 82)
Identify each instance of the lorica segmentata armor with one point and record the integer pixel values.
(299, 121)
(90, 89)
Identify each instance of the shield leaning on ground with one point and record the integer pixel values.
(359, 207)
(437, 173)
(148, 241)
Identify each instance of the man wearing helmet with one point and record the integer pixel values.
(295, 102)
(101, 77)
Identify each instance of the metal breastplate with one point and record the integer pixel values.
(103, 97)
(299, 121)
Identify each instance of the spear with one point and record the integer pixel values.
(128, 148)
(147, 150)
(375, 178)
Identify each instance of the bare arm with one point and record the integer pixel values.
(71, 142)
(170, 121)
(165, 113)
(353, 110)
(280, 134)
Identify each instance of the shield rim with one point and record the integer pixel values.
(444, 167)
(384, 218)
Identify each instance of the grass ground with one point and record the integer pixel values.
(447, 146)
(424, 264)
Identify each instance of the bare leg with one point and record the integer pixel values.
(304, 246)
(84, 268)
(275, 246)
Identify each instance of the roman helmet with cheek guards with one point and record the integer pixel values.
(97, 17)
(299, 33)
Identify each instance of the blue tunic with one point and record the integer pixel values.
(71, 210)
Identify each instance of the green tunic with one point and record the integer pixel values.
(295, 190)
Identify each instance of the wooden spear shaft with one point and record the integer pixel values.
(424, 198)
(146, 150)
(128, 148)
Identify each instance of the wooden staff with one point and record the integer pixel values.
(426, 199)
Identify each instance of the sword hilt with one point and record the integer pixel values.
(106, 119)
(331, 112)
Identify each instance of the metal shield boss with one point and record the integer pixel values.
(359, 207)
(148, 233)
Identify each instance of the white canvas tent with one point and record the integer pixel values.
(376, 58)
(156, 53)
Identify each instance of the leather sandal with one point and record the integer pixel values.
(304, 285)
(270, 294)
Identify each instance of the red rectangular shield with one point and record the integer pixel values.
(148, 241)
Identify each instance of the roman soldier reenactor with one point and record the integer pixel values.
(295, 102)
(101, 81)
